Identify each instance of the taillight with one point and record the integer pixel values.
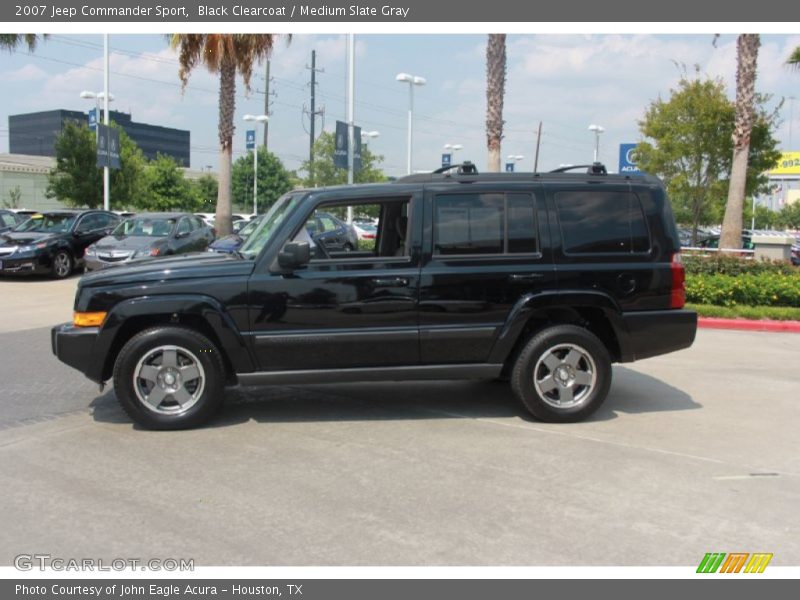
(677, 297)
(155, 251)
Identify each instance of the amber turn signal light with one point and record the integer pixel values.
(88, 319)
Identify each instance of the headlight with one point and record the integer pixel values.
(91, 251)
(32, 247)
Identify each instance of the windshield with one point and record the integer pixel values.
(265, 229)
(47, 223)
(245, 231)
(145, 227)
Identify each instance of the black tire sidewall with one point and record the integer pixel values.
(199, 345)
(522, 374)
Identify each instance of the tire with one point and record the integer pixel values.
(62, 265)
(348, 247)
(563, 374)
(158, 361)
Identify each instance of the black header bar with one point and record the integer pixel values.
(409, 11)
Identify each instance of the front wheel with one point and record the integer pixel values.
(169, 378)
(62, 264)
(563, 374)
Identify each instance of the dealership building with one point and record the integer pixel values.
(34, 134)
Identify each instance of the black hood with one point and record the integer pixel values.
(21, 238)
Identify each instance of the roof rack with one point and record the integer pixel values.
(596, 168)
(465, 168)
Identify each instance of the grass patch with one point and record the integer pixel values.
(775, 313)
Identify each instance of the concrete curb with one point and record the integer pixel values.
(749, 324)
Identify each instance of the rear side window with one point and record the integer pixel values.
(602, 222)
(489, 223)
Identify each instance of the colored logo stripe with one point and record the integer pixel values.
(711, 562)
(734, 562)
(758, 562)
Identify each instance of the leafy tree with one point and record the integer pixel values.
(747, 45)
(206, 188)
(77, 181)
(495, 94)
(226, 54)
(273, 180)
(789, 216)
(688, 143)
(794, 58)
(326, 174)
(166, 188)
(14, 197)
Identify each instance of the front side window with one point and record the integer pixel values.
(269, 224)
(484, 223)
(144, 227)
(602, 222)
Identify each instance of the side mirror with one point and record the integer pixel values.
(294, 255)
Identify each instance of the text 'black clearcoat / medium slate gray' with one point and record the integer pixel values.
(543, 280)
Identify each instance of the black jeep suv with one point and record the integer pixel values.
(542, 279)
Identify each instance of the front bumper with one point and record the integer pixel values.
(21, 265)
(74, 346)
(655, 332)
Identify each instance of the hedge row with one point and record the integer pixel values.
(731, 265)
(752, 289)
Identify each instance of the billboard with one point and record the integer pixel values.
(788, 164)
(627, 159)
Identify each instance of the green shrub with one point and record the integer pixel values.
(751, 289)
(732, 265)
(774, 313)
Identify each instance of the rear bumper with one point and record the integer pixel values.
(655, 332)
(74, 346)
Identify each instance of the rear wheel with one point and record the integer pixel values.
(169, 378)
(563, 374)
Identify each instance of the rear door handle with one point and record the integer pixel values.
(390, 282)
(524, 277)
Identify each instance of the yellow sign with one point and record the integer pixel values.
(788, 164)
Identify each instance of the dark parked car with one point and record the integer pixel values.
(332, 233)
(9, 219)
(53, 242)
(544, 280)
(148, 235)
(231, 243)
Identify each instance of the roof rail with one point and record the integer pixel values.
(465, 168)
(596, 168)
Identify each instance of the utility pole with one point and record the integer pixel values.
(313, 112)
(538, 143)
(267, 103)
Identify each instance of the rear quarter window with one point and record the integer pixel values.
(602, 222)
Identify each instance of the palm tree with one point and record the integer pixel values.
(495, 92)
(11, 41)
(794, 59)
(225, 54)
(746, 62)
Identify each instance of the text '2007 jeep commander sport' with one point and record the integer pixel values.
(544, 279)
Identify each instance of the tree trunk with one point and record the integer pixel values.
(227, 105)
(746, 58)
(495, 92)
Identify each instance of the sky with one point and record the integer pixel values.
(565, 81)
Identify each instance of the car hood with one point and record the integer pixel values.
(229, 243)
(112, 242)
(21, 238)
(196, 265)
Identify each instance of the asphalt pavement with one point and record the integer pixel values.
(693, 452)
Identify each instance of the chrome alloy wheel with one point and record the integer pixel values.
(169, 380)
(565, 376)
(61, 264)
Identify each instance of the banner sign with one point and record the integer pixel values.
(446, 158)
(93, 119)
(341, 146)
(108, 147)
(250, 139)
(509, 167)
(788, 164)
(627, 159)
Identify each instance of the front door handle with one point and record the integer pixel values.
(524, 277)
(390, 282)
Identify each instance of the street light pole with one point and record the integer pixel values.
(411, 80)
(106, 175)
(597, 129)
(106, 98)
(264, 119)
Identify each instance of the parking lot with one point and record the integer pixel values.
(694, 452)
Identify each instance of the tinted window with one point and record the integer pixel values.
(484, 224)
(602, 222)
(89, 223)
(327, 223)
(184, 226)
(8, 220)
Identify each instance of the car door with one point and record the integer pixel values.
(183, 236)
(485, 249)
(343, 312)
(88, 229)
